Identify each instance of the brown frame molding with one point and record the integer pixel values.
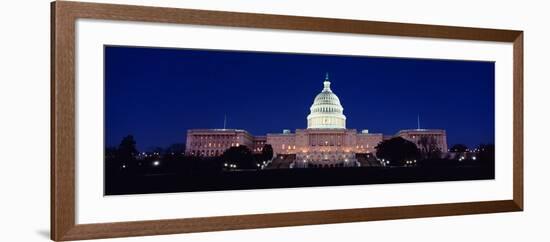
(63, 18)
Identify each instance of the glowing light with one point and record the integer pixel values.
(156, 163)
(474, 158)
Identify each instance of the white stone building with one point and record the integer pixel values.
(325, 143)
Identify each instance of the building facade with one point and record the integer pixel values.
(325, 143)
(427, 140)
(213, 142)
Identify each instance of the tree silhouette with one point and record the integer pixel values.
(397, 151)
(110, 153)
(126, 153)
(158, 150)
(267, 152)
(486, 154)
(178, 148)
(241, 156)
(112, 164)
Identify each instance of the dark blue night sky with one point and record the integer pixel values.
(157, 94)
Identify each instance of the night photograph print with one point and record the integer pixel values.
(186, 120)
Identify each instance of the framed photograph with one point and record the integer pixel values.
(172, 120)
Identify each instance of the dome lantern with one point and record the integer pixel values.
(326, 83)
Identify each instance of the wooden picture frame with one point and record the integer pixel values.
(63, 18)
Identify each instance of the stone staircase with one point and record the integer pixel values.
(281, 162)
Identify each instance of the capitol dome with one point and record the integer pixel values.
(326, 111)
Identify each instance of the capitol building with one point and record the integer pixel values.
(326, 142)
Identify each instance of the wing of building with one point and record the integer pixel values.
(325, 143)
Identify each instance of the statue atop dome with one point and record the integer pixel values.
(326, 83)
